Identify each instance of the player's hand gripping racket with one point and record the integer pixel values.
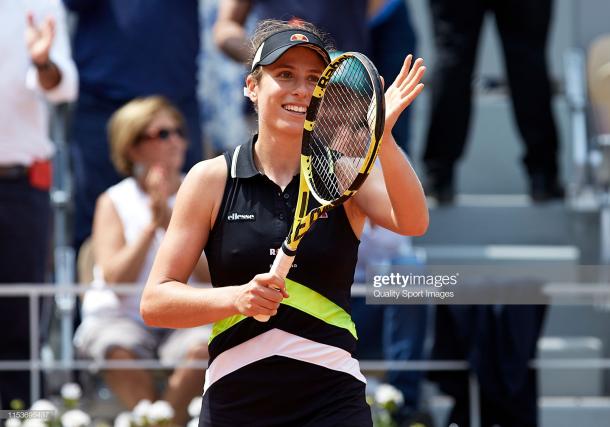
(341, 139)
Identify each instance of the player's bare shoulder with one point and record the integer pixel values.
(204, 186)
(212, 174)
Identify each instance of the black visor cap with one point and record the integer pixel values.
(276, 44)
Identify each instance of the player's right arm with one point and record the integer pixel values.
(229, 30)
(168, 301)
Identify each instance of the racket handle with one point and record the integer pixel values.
(281, 266)
(282, 263)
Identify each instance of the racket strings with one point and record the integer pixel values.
(343, 128)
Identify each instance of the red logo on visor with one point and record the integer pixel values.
(299, 38)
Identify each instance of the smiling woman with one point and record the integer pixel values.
(283, 90)
(298, 367)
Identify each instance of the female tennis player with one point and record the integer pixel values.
(296, 369)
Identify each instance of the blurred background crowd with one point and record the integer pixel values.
(105, 104)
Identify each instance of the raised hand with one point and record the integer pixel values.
(403, 91)
(39, 39)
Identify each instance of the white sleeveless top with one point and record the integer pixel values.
(133, 207)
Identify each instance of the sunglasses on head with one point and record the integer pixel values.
(163, 134)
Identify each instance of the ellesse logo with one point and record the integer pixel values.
(299, 38)
(241, 217)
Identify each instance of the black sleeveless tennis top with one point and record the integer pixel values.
(288, 369)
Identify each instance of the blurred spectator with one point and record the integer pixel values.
(392, 38)
(36, 67)
(403, 328)
(498, 342)
(523, 26)
(390, 332)
(123, 50)
(148, 146)
(343, 20)
(222, 102)
(598, 75)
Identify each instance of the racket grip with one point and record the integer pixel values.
(281, 266)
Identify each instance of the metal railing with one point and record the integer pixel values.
(67, 361)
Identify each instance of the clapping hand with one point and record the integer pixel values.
(158, 190)
(39, 39)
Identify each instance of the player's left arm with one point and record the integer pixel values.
(393, 196)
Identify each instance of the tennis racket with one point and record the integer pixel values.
(341, 138)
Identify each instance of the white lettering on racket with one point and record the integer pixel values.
(294, 265)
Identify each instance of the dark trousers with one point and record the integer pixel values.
(518, 411)
(498, 345)
(523, 27)
(90, 152)
(24, 244)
